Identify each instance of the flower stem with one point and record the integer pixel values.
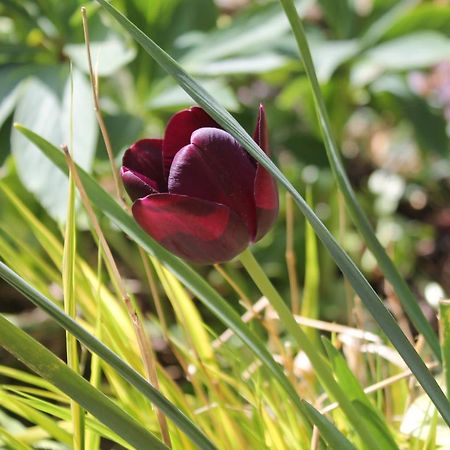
(70, 307)
(320, 365)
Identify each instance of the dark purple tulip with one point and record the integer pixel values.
(197, 191)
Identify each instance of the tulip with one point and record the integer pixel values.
(197, 191)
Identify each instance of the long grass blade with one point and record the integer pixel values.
(108, 356)
(330, 433)
(47, 365)
(361, 286)
(70, 307)
(405, 295)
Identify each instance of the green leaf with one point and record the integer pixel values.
(425, 16)
(11, 77)
(45, 105)
(414, 51)
(47, 365)
(260, 27)
(339, 15)
(429, 125)
(371, 300)
(171, 96)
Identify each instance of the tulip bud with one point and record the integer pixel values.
(197, 191)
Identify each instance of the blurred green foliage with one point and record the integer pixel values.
(381, 64)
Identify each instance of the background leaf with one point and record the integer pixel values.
(45, 105)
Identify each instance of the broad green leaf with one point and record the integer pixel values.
(9, 88)
(429, 125)
(414, 51)
(340, 16)
(425, 16)
(329, 55)
(239, 65)
(260, 28)
(170, 96)
(47, 365)
(371, 300)
(45, 106)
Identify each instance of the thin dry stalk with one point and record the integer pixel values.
(315, 438)
(148, 357)
(342, 231)
(154, 292)
(98, 114)
(291, 260)
(244, 298)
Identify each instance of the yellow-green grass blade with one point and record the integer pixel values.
(30, 414)
(108, 356)
(404, 293)
(62, 415)
(361, 286)
(196, 284)
(50, 367)
(313, 352)
(310, 300)
(444, 326)
(70, 306)
(348, 382)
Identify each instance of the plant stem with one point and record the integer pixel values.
(70, 308)
(321, 366)
(291, 260)
(361, 221)
(444, 327)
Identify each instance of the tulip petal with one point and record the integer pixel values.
(266, 202)
(265, 188)
(261, 134)
(215, 167)
(197, 230)
(136, 184)
(142, 172)
(179, 130)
